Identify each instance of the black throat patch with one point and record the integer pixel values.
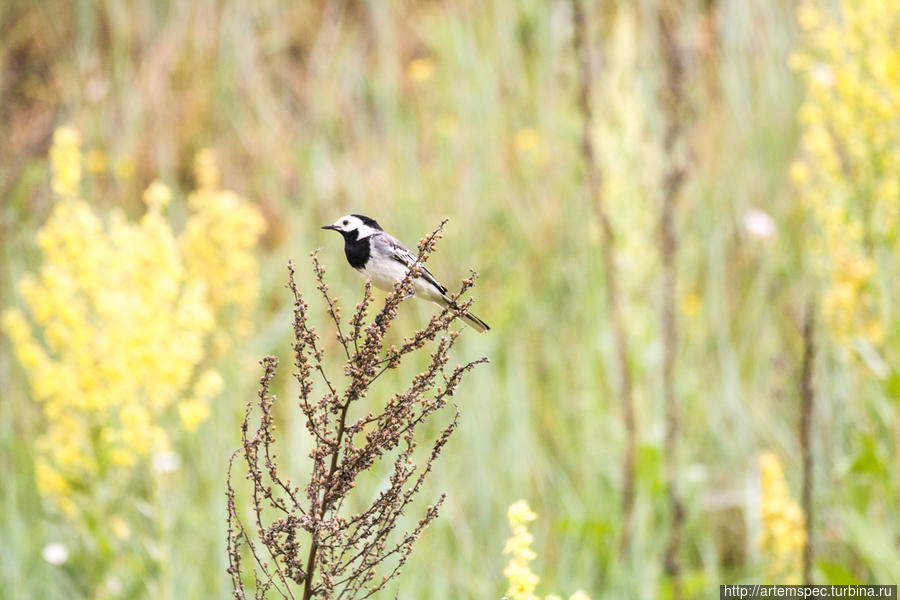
(357, 251)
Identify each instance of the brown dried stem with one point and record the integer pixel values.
(674, 105)
(594, 181)
(807, 394)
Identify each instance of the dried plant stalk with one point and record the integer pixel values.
(303, 543)
(807, 396)
(674, 108)
(593, 178)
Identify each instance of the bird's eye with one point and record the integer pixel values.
(346, 222)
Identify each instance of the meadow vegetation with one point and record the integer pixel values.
(164, 160)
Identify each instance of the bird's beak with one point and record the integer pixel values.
(330, 227)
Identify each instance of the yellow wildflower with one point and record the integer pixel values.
(420, 69)
(193, 412)
(527, 139)
(122, 457)
(522, 580)
(691, 303)
(783, 534)
(95, 160)
(848, 174)
(799, 172)
(120, 527)
(65, 156)
(118, 319)
(520, 513)
(157, 195)
(209, 384)
(808, 16)
(218, 243)
(206, 170)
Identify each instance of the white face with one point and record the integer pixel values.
(348, 223)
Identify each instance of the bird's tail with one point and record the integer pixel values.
(470, 319)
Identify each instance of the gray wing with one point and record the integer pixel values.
(390, 246)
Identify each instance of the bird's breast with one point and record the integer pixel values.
(383, 273)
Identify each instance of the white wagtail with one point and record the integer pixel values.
(381, 257)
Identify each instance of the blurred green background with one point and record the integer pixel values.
(413, 111)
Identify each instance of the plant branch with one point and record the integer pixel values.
(344, 553)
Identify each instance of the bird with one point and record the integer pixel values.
(383, 259)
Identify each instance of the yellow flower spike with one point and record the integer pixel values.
(120, 527)
(159, 441)
(49, 481)
(783, 534)
(520, 513)
(808, 16)
(32, 357)
(691, 303)
(122, 457)
(68, 454)
(808, 114)
(193, 412)
(218, 242)
(53, 410)
(521, 579)
(799, 172)
(128, 311)
(527, 139)
(15, 325)
(520, 544)
(67, 136)
(850, 139)
(874, 330)
(420, 69)
(65, 156)
(206, 170)
(157, 195)
(95, 161)
(209, 385)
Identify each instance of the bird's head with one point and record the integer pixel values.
(358, 225)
